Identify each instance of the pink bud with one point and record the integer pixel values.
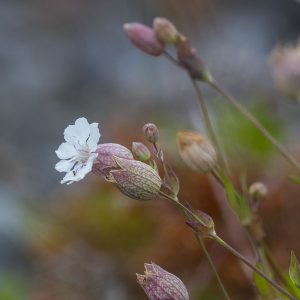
(144, 38)
(105, 162)
(159, 284)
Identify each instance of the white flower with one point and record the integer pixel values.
(77, 154)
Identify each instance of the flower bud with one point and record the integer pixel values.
(151, 132)
(258, 191)
(205, 225)
(159, 284)
(187, 57)
(285, 64)
(136, 179)
(144, 38)
(104, 162)
(196, 151)
(141, 151)
(165, 31)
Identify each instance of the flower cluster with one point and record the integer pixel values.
(80, 154)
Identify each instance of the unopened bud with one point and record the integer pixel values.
(144, 38)
(159, 284)
(105, 162)
(165, 31)
(151, 132)
(136, 179)
(141, 151)
(196, 151)
(187, 57)
(285, 62)
(258, 191)
(203, 224)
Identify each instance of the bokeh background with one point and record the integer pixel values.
(60, 60)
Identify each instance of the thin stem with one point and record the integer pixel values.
(254, 268)
(207, 122)
(209, 127)
(189, 213)
(276, 269)
(212, 265)
(285, 153)
(172, 59)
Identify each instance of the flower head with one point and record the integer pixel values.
(144, 38)
(285, 62)
(159, 284)
(196, 151)
(165, 31)
(77, 153)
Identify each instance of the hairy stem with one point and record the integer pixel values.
(285, 153)
(253, 267)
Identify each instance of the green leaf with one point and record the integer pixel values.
(294, 270)
(237, 202)
(295, 179)
(262, 285)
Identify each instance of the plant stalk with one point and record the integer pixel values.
(209, 127)
(189, 213)
(254, 268)
(212, 265)
(284, 152)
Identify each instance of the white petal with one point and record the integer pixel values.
(64, 165)
(69, 178)
(77, 133)
(65, 151)
(94, 137)
(84, 170)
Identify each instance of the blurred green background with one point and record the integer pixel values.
(64, 59)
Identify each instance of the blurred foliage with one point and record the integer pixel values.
(242, 140)
(12, 287)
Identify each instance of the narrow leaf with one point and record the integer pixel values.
(294, 270)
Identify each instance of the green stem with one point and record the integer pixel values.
(189, 213)
(276, 269)
(207, 122)
(285, 153)
(253, 267)
(209, 127)
(212, 265)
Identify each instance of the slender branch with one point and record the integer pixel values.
(254, 268)
(209, 127)
(285, 153)
(276, 269)
(189, 213)
(207, 122)
(212, 265)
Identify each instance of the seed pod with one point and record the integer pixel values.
(159, 284)
(196, 151)
(165, 31)
(144, 38)
(141, 152)
(136, 179)
(151, 132)
(105, 162)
